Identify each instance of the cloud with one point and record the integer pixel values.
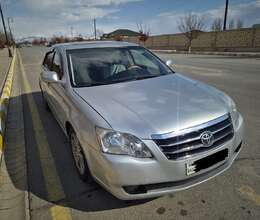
(52, 5)
(248, 12)
(167, 22)
(86, 13)
(26, 26)
(74, 10)
(48, 17)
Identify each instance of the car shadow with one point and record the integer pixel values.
(77, 194)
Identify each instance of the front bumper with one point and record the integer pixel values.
(157, 176)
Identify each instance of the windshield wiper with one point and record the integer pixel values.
(92, 84)
(133, 78)
(146, 77)
(122, 80)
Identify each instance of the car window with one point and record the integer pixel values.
(56, 66)
(96, 65)
(142, 58)
(48, 60)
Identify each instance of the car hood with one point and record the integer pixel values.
(155, 106)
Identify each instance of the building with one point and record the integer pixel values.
(120, 34)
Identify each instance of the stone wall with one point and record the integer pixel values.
(246, 39)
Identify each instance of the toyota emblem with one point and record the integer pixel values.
(207, 138)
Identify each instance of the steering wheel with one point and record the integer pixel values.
(134, 67)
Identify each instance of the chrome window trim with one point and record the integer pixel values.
(190, 129)
(72, 70)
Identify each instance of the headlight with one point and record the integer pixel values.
(114, 142)
(233, 111)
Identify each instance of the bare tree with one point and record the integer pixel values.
(60, 39)
(78, 38)
(217, 25)
(191, 25)
(39, 41)
(240, 23)
(231, 24)
(144, 32)
(2, 40)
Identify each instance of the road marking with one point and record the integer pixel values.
(59, 213)
(4, 100)
(51, 178)
(201, 70)
(250, 194)
(33, 64)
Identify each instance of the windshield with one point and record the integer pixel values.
(101, 66)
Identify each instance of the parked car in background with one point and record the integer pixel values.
(49, 44)
(137, 127)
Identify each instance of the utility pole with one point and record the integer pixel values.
(6, 37)
(225, 18)
(95, 29)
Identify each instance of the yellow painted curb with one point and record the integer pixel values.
(4, 101)
(1, 144)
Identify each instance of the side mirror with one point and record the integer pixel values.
(169, 63)
(50, 77)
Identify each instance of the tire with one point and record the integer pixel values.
(79, 157)
(46, 105)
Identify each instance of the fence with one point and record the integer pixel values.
(246, 39)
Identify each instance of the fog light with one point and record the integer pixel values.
(135, 189)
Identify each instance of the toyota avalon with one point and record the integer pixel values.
(137, 127)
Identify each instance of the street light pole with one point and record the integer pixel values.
(6, 37)
(95, 29)
(225, 18)
(71, 31)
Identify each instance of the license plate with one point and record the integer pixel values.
(206, 162)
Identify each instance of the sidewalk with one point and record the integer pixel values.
(233, 54)
(4, 64)
(13, 174)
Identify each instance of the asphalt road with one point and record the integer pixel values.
(56, 190)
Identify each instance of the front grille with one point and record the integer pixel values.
(188, 143)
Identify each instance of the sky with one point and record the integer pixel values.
(73, 17)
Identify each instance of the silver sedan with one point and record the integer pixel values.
(137, 127)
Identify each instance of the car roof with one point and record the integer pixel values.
(93, 44)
